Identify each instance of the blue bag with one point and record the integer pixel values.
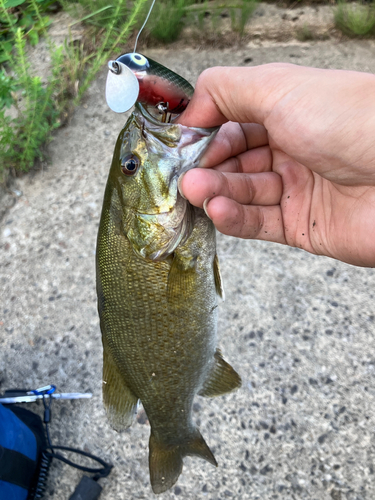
(22, 441)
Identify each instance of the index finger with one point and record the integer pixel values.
(230, 94)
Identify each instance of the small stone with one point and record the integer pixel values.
(322, 438)
(266, 470)
(253, 470)
(336, 494)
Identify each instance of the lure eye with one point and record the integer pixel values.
(138, 59)
(134, 61)
(129, 165)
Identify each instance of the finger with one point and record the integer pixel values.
(260, 189)
(232, 140)
(246, 221)
(253, 161)
(248, 95)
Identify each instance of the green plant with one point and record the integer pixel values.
(7, 87)
(27, 15)
(245, 12)
(43, 107)
(166, 21)
(304, 34)
(239, 12)
(22, 137)
(354, 19)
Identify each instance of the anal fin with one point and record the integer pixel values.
(119, 402)
(222, 379)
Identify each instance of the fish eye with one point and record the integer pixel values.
(129, 164)
(134, 61)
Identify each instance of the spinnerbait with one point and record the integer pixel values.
(133, 77)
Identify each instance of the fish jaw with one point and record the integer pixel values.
(156, 218)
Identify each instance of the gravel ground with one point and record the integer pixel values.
(298, 328)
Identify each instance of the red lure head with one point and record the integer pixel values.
(158, 84)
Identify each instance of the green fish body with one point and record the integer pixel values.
(157, 282)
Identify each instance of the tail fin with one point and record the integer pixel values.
(165, 460)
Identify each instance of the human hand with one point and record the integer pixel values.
(294, 162)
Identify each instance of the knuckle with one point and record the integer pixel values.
(253, 222)
(206, 77)
(250, 187)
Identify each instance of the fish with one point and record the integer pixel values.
(158, 285)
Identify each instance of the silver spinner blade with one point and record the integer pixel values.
(122, 87)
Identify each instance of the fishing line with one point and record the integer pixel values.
(143, 25)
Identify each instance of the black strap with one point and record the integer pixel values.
(99, 472)
(16, 468)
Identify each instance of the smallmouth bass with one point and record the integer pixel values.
(158, 280)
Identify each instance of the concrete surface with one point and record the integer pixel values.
(298, 328)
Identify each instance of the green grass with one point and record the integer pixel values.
(31, 17)
(38, 108)
(241, 14)
(355, 19)
(166, 20)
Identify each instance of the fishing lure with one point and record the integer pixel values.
(133, 77)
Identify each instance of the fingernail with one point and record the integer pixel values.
(205, 203)
(179, 186)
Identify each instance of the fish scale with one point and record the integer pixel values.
(158, 317)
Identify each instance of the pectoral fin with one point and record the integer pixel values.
(222, 379)
(119, 401)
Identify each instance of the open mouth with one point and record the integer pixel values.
(159, 113)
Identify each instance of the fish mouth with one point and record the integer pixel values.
(156, 117)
